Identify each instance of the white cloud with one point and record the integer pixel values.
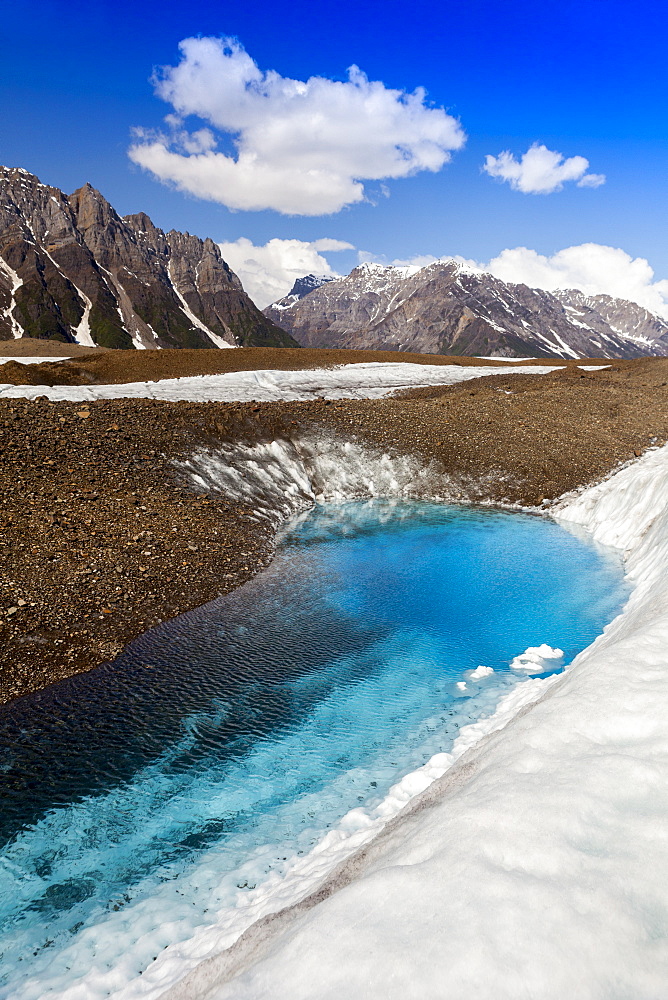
(268, 272)
(591, 267)
(541, 170)
(302, 147)
(591, 181)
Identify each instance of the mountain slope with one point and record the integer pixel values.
(72, 269)
(446, 308)
(627, 319)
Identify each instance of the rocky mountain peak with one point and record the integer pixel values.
(308, 283)
(71, 269)
(140, 223)
(92, 209)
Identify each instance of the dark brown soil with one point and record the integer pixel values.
(30, 347)
(100, 539)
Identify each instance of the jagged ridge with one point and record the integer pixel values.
(448, 308)
(71, 269)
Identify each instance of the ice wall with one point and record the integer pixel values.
(536, 867)
(282, 477)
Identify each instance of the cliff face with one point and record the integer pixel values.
(71, 269)
(445, 308)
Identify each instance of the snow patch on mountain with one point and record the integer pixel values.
(8, 312)
(218, 341)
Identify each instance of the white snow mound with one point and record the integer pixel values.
(480, 672)
(537, 659)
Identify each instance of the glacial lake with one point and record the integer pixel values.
(143, 800)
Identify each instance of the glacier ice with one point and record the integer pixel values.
(370, 380)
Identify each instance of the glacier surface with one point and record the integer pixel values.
(30, 360)
(371, 380)
(532, 861)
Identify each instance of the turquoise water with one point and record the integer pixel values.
(140, 801)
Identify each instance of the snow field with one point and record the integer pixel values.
(371, 380)
(30, 361)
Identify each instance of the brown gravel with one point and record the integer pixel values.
(100, 540)
(30, 347)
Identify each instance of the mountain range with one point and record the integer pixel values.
(449, 308)
(71, 269)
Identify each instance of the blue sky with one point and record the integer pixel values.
(583, 79)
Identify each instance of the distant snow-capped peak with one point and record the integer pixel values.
(451, 306)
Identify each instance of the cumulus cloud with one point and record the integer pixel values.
(591, 267)
(301, 147)
(268, 272)
(541, 170)
(419, 260)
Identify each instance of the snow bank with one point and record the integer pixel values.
(535, 868)
(29, 361)
(260, 908)
(371, 380)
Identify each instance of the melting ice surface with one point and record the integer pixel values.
(142, 800)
